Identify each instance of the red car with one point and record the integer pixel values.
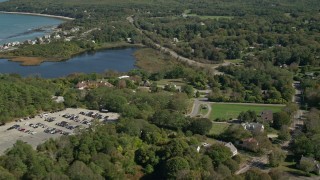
(22, 130)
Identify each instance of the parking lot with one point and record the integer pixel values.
(40, 128)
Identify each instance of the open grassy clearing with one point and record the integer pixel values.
(218, 128)
(234, 61)
(231, 111)
(152, 60)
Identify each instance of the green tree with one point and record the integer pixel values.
(276, 157)
(5, 174)
(306, 166)
(200, 126)
(219, 154)
(188, 90)
(174, 166)
(79, 170)
(280, 119)
(248, 116)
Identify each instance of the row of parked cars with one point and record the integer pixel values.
(16, 126)
(50, 119)
(66, 125)
(36, 125)
(55, 131)
(93, 115)
(75, 118)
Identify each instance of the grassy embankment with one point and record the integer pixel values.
(218, 128)
(227, 111)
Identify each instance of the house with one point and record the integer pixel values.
(58, 99)
(311, 161)
(254, 127)
(232, 148)
(176, 40)
(129, 40)
(81, 85)
(92, 84)
(267, 116)
(251, 144)
(204, 144)
(103, 84)
(146, 83)
(229, 145)
(124, 77)
(57, 36)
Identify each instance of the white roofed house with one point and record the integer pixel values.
(229, 145)
(232, 148)
(254, 127)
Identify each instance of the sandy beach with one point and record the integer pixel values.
(37, 14)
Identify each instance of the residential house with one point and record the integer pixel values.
(311, 161)
(253, 127)
(251, 144)
(232, 148)
(205, 145)
(81, 85)
(124, 77)
(104, 84)
(92, 84)
(267, 116)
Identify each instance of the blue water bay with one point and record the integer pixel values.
(121, 60)
(16, 27)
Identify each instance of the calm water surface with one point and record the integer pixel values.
(121, 60)
(16, 27)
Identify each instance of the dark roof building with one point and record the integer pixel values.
(267, 116)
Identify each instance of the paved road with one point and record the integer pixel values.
(196, 106)
(257, 162)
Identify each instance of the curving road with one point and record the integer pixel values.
(181, 58)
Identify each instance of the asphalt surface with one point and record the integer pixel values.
(9, 137)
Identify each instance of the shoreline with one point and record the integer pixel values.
(37, 61)
(38, 14)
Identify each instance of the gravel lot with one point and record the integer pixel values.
(9, 137)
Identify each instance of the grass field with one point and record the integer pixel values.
(227, 111)
(152, 60)
(218, 128)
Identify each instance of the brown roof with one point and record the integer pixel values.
(267, 115)
(250, 140)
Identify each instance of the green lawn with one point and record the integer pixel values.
(227, 111)
(234, 61)
(218, 128)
